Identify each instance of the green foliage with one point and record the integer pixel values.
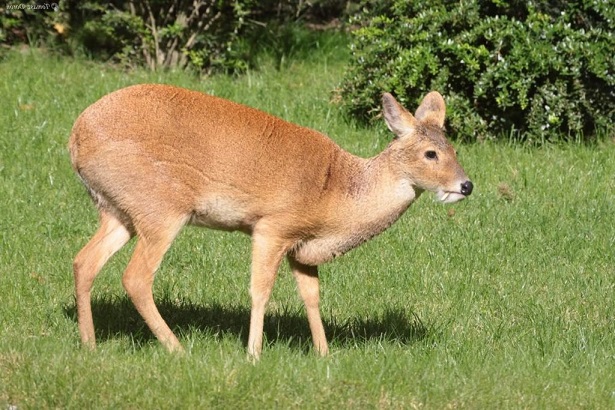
(33, 23)
(540, 70)
(160, 34)
(206, 35)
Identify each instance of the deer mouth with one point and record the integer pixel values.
(449, 197)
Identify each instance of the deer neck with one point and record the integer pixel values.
(376, 193)
(367, 197)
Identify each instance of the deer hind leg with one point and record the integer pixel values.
(308, 285)
(139, 276)
(267, 253)
(111, 236)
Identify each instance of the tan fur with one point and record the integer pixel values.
(155, 158)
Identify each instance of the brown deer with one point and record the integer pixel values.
(155, 158)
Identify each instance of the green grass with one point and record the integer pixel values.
(505, 300)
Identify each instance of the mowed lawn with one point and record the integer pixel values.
(505, 300)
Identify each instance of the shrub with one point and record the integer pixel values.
(537, 70)
(207, 35)
(162, 33)
(33, 23)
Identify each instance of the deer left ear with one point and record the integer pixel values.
(399, 121)
(432, 109)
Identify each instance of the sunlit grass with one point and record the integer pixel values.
(502, 301)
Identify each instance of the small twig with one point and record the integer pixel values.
(154, 30)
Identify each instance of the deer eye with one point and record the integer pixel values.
(431, 155)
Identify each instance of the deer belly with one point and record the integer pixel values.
(220, 212)
(323, 249)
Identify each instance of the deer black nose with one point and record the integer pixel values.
(466, 188)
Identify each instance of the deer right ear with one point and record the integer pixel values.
(399, 121)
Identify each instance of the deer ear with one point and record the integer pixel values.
(432, 109)
(399, 121)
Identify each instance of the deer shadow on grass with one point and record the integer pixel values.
(118, 317)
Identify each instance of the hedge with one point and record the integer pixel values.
(535, 70)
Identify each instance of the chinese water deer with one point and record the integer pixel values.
(155, 158)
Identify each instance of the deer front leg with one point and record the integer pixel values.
(307, 282)
(267, 253)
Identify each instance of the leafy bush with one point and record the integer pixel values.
(162, 33)
(541, 70)
(204, 34)
(33, 23)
